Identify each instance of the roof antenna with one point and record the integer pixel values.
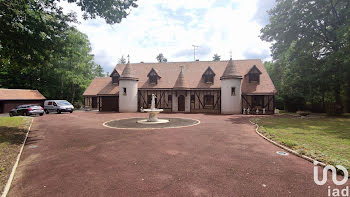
(231, 54)
(182, 67)
(194, 51)
(128, 58)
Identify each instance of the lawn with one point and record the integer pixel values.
(326, 139)
(12, 134)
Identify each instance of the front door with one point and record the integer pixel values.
(94, 102)
(181, 103)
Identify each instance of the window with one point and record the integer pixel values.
(49, 103)
(193, 98)
(209, 75)
(54, 104)
(170, 98)
(153, 79)
(233, 91)
(209, 78)
(124, 91)
(208, 99)
(254, 77)
(115, 77)
(153, 76)
(258, 101)
(254, 74)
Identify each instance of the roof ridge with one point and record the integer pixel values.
(16, 89)
(189, 61)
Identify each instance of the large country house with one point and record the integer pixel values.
(226, 87)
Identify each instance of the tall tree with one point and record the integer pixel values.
(216, 57)
(122, 60)
(310, 40)
(33, 30)
(161, 58)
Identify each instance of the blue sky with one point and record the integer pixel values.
(172, 27)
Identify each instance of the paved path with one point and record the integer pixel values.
(74, 155)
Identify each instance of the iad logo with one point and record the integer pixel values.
(334, 174)
(335, 191)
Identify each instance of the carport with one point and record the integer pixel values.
(11, 98)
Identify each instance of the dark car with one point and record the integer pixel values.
(27, 110)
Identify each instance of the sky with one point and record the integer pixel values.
(171, 27)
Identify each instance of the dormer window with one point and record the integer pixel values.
(153, 79)
(254, 74)
(208, 75)
(153, 76)
(115, 77)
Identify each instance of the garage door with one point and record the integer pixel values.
(110, 103)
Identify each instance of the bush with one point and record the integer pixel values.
(279, 102)
(294, 103)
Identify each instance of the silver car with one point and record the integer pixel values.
(27, 110)
(58, 106)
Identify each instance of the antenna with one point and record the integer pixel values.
(231, 54)
(194, 51)
(128, 58)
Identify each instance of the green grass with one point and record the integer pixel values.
(324, 138)
(12, 134)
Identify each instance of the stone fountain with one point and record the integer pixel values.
(152, 114)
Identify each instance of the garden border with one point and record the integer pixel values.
(286, 148)
(10, 179)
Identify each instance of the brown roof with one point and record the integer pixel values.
(128, 73)
(102, 86)
(193, 75)
(20, 94)
(181, 81)
(231, 71)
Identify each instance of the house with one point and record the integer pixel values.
(226, 87)
(11, 98)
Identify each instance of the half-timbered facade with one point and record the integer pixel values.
(227, 87)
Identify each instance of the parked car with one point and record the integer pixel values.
(58, 106)
(27, 110)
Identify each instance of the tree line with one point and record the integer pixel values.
(311, 54)
(40, 49)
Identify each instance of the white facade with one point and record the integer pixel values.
(231, 103)
(128, 100)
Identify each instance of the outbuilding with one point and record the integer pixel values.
(11, 98)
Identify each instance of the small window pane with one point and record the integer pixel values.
(209, 99)
(170, 98)
(124, 91)
(233, 91)
(192, 98)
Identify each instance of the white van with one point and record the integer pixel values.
(58, 106)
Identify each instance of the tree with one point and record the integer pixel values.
(310, 40)
(122, 60)
(216, 57)
(161, 58)
(97, 70)
(33, 30)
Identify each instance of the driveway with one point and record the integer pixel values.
(75, 155)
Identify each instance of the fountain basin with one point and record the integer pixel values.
(152, 117)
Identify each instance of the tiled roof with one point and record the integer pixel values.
(181, 81)
(101, 85)
(230, 71)
(193, 75)
(128, 73)
(20, 94)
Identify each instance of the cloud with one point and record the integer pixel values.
(253, 53)
(261, 15)
(172, 27)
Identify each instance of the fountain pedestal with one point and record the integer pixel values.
(152, 114)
